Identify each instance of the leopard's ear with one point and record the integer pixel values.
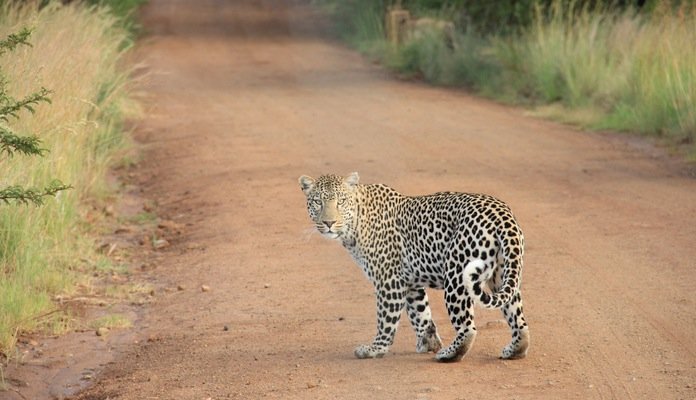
(352, 179)
(306, 183)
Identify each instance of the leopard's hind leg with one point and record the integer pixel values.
(418, 309)
(460, 307)
(514, 315)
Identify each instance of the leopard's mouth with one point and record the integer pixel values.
(331, 234)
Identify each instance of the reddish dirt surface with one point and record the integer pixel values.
(246, 96)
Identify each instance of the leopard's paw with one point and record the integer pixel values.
(449, 354)
(431, 342)
(370, 351)
(517, 348)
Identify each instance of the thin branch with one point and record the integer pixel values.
(15, 39)
(18, 392)
(12, 107)
(11, 143)
(36, 318)
(19, 195)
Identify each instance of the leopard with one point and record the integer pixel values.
(469, 245)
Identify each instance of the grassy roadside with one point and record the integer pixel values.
(600, 68)
(44, 251)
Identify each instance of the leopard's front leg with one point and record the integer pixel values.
(390, 302)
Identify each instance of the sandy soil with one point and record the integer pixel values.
(245, 96)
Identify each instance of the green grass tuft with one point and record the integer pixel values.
(111, 321)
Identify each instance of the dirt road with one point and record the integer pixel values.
(245, 96)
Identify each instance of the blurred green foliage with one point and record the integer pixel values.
(509, 16)
(622, 65)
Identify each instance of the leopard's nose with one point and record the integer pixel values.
(329, 223)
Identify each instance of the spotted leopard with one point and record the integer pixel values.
(458, 242)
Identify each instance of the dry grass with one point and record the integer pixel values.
(597, 67)
(111, 321)
(76, 52)
(638, 71)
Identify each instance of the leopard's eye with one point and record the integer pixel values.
(341, 200)
(316, 203)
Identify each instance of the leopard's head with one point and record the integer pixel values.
(331, 202)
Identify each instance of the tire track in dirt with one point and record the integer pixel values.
(245, 96)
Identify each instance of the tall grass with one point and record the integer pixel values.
(124, 10)
(600, 67)
(660, 94)
(638, 72)
(360, 23)
(76, 52)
